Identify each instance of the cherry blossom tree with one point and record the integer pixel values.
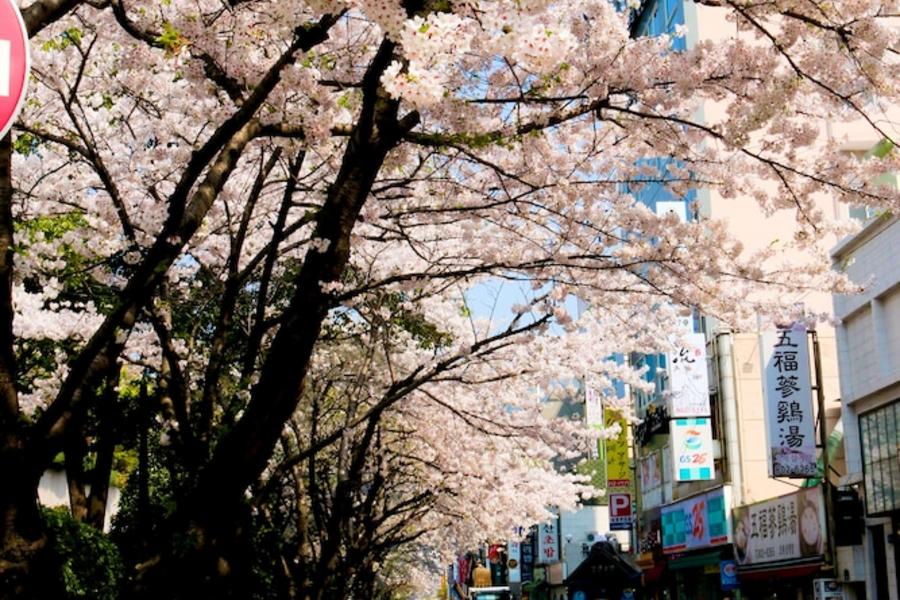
(223, 198)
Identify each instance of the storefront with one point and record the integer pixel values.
(653, 576)
(696, 539)
(780, 545)
(697, 576)
(651, 560)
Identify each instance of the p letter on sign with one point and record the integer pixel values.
(14, 61)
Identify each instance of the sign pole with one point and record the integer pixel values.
(823, 435)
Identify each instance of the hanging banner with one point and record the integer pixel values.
(788, 397)
(526, 548)
(548, 543)
(618, 467)
(651, 480)
(689, 378)
(692, 449)
(702, 521)
(593, 416)
(785, 528)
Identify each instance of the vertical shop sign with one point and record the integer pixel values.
(513, 562)
(526, 548)
(728, 577)
(593, 416)
(548, 543)
(692, 451)
(651, 480)
(788, 397)
(618, 469)
(688, 377)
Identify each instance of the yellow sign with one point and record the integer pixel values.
(618, 467)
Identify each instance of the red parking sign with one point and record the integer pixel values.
(619, 511)
(13, 63)
(619, 505)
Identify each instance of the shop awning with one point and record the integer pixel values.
(783, 571)
(696, 560)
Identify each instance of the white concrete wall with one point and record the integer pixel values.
(575, 527)
(871, 320)
(53, 491)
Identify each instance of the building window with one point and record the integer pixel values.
(880, 437)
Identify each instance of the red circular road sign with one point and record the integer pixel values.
(13, 63)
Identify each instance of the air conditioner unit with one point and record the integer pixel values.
(851, 563)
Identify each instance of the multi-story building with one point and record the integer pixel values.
(706, 534)
(869, 356)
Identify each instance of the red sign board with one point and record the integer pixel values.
(619, 505)
(619, 511)
(13, 63)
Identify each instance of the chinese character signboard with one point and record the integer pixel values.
(548, 543)
(785, 528)
(692, 451)
(13, 63)
(618, 469)
(788, 397)
(698, 522)
(620, 512)
(688, 378)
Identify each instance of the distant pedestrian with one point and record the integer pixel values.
(481, 576)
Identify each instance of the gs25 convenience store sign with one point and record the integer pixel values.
(702, 521)
(692, 449)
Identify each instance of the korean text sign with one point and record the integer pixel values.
(548, 543)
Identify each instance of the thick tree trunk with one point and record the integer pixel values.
(75, 453)
(21, 538)
(105, 449)
(26, 569)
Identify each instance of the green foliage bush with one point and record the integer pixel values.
(88, 562)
